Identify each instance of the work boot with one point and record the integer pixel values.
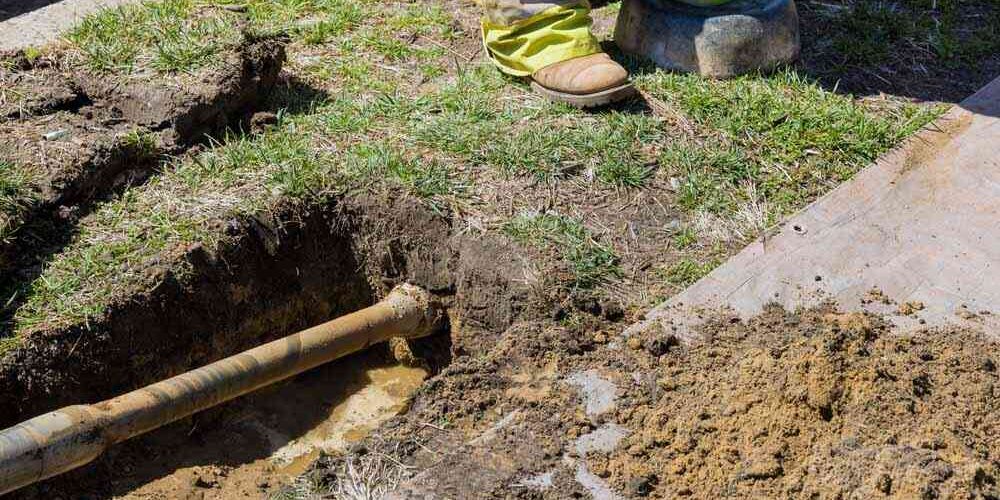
(584, 82)
(550, 41)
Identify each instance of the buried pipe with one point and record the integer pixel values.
(65, 439)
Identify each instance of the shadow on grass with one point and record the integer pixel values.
(908, 49)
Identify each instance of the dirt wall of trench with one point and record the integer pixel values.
(299, 268)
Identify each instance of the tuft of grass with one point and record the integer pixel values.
(471, 119)
(17, 193)
(8, 343)
(165, 36)
(782, 133)
(592, 263)
(425, 178)
(111, 254)
(355, 74)
(685, 238)
(423, 19)
(140, 144)
(709, 173)
(32, 54)
(686, 272)
(313, 22)
(620, 147)
(869, 31)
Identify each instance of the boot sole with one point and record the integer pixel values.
(594, 100)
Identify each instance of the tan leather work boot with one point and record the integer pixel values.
(584, 82)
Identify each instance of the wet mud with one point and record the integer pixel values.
(251, 447)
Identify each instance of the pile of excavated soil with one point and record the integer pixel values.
(814, 405)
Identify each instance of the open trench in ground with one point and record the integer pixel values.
(522, 404)
(300, 267)
(279, 276)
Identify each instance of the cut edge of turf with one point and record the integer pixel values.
(441, 170)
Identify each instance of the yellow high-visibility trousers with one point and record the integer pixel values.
(523, 36)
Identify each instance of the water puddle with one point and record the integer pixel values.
(386, 395)
(270, 437)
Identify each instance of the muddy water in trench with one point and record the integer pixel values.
(253, 446)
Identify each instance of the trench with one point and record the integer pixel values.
(276, 277)
(252, 446)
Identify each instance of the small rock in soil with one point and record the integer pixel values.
(261, 120)
(55, 135)
(641, 486)
(634, 343)
(910, 307)
(659, 346)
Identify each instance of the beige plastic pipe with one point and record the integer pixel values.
(73, 436)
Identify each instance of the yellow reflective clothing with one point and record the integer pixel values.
(523, 36)
(553, 35)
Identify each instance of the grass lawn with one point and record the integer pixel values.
(16, 193)
(631, 203)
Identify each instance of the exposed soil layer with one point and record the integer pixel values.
(271, 278)
(815, 405)
(84, 136)
(272, 281)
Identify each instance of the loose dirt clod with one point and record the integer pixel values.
(910, 307)
(819, 406)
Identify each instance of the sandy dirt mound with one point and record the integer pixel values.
(817, 405)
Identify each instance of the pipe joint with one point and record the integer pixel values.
(407, 298)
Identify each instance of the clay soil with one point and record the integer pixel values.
(816, 405)
(810, 404)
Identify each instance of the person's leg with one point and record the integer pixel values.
(551, 42)
(507, 12)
